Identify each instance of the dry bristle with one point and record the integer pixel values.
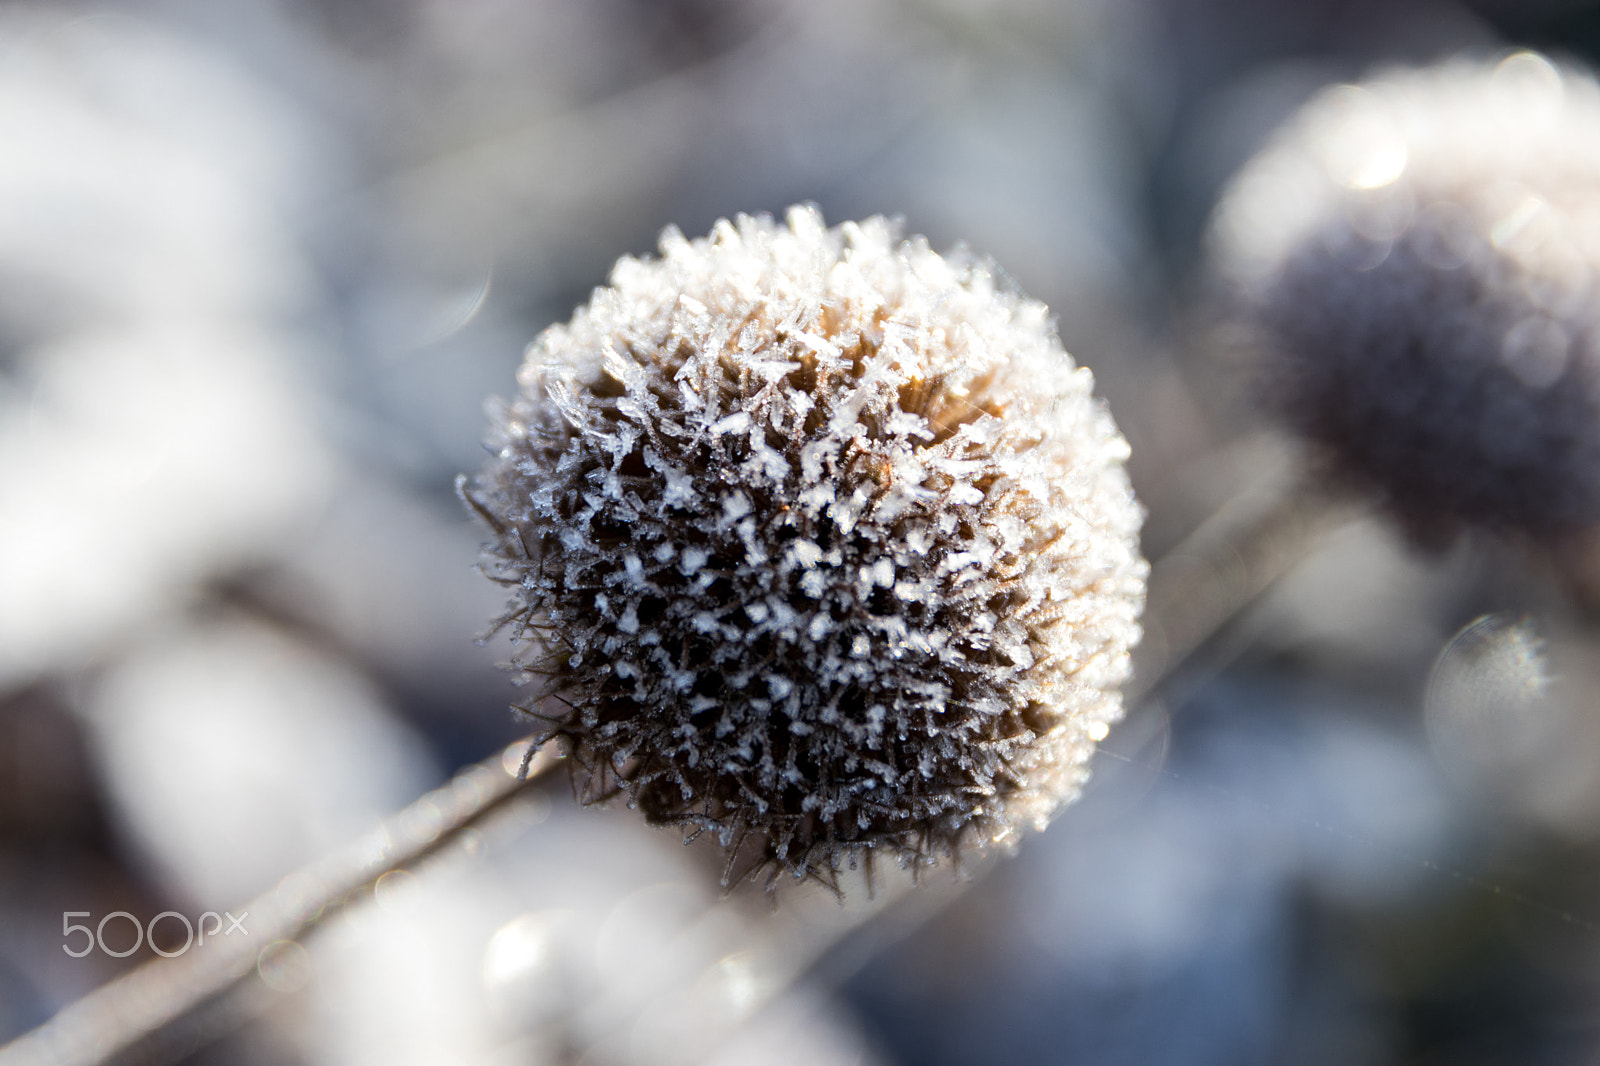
(825, 543)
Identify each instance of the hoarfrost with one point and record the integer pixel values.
(836, 489)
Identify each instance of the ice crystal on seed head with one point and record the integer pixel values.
(818, 542)
(1416, 260)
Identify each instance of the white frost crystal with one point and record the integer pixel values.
(1416, 259)
(817, 541)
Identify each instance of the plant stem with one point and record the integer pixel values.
(1220, 570)
(163, 993)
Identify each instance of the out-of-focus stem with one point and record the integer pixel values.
(1221, 569)
(161, 994)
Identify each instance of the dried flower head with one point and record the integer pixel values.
(1416, 262)
(818, 541)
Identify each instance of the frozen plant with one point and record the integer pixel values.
(816, 540)
(1414, 260)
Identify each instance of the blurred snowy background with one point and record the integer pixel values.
(261, 261)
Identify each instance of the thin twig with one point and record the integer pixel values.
(1219, 571)
(163, 993)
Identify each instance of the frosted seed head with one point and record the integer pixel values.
(1415, 260)
(826, 493)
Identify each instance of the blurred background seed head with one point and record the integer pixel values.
(1415, 258)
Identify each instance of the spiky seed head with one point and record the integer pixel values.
(818, 541)
(1415, 261)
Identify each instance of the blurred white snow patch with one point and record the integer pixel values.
(143, 461)
(801, 1029)
(522, 964)
(577, 937)
(234, 755)
(151, 432)
(143, 175)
